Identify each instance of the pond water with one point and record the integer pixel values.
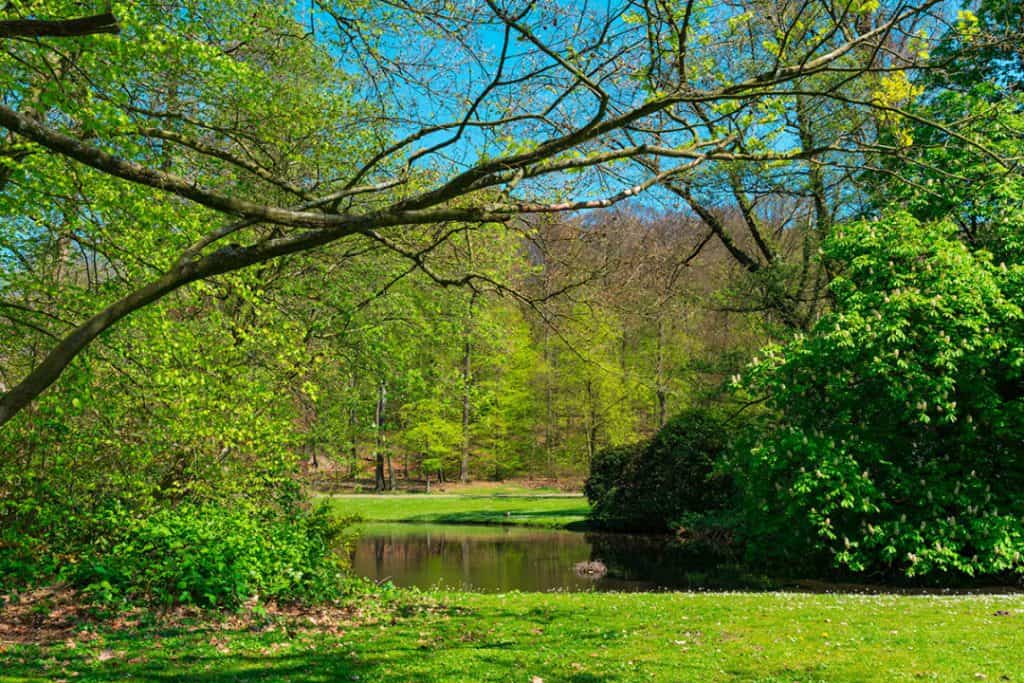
(498, 559)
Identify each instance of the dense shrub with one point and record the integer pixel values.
(157, 519)
(603, 485)
(211, 555)
(650, 486)
(899, 447)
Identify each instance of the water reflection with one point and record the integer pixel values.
(497, 559)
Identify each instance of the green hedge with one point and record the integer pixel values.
(651, 486)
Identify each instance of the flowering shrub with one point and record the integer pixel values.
(900, 447)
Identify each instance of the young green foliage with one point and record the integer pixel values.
(898, 445)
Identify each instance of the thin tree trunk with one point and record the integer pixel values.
(549, 404)
(353, 421)
(378, 424)
(464, 464)
(467, 383)
(591, 423)
(660, 379)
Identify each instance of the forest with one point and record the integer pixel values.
(617, 300)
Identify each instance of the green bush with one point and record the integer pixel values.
(605, 481)
(210, 555)
(650, 486)
(898, 450)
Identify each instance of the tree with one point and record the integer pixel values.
(978, 99)
(900, 410)
(898, 446)
(193, 104)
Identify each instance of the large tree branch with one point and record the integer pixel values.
(143, 175)
(224, 260)
(59, 28)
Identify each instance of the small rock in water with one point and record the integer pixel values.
(593, 569)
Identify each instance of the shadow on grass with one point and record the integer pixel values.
(465, 645)
(210, 668)
(460, 645)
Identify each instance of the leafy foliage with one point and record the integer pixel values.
(898, 449)
(649, 486)
(211, 556)
(607, 471)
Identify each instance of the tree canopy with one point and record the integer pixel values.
(280, 128)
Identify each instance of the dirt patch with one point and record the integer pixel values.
(41, 616)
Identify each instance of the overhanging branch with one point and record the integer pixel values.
(59, 28)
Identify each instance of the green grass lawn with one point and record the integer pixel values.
(543, 510)
(568, 637)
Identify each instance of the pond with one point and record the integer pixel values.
(496, 559)
(499, 559)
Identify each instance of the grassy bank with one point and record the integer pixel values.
(550, 510)
(565, 637)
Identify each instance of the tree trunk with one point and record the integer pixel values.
(60, 28)
(661, 390)
(591, 423)
(464, 464)
(378, 425)
(549, 402)
(353, 421)
(189, 268)
(467, 382)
